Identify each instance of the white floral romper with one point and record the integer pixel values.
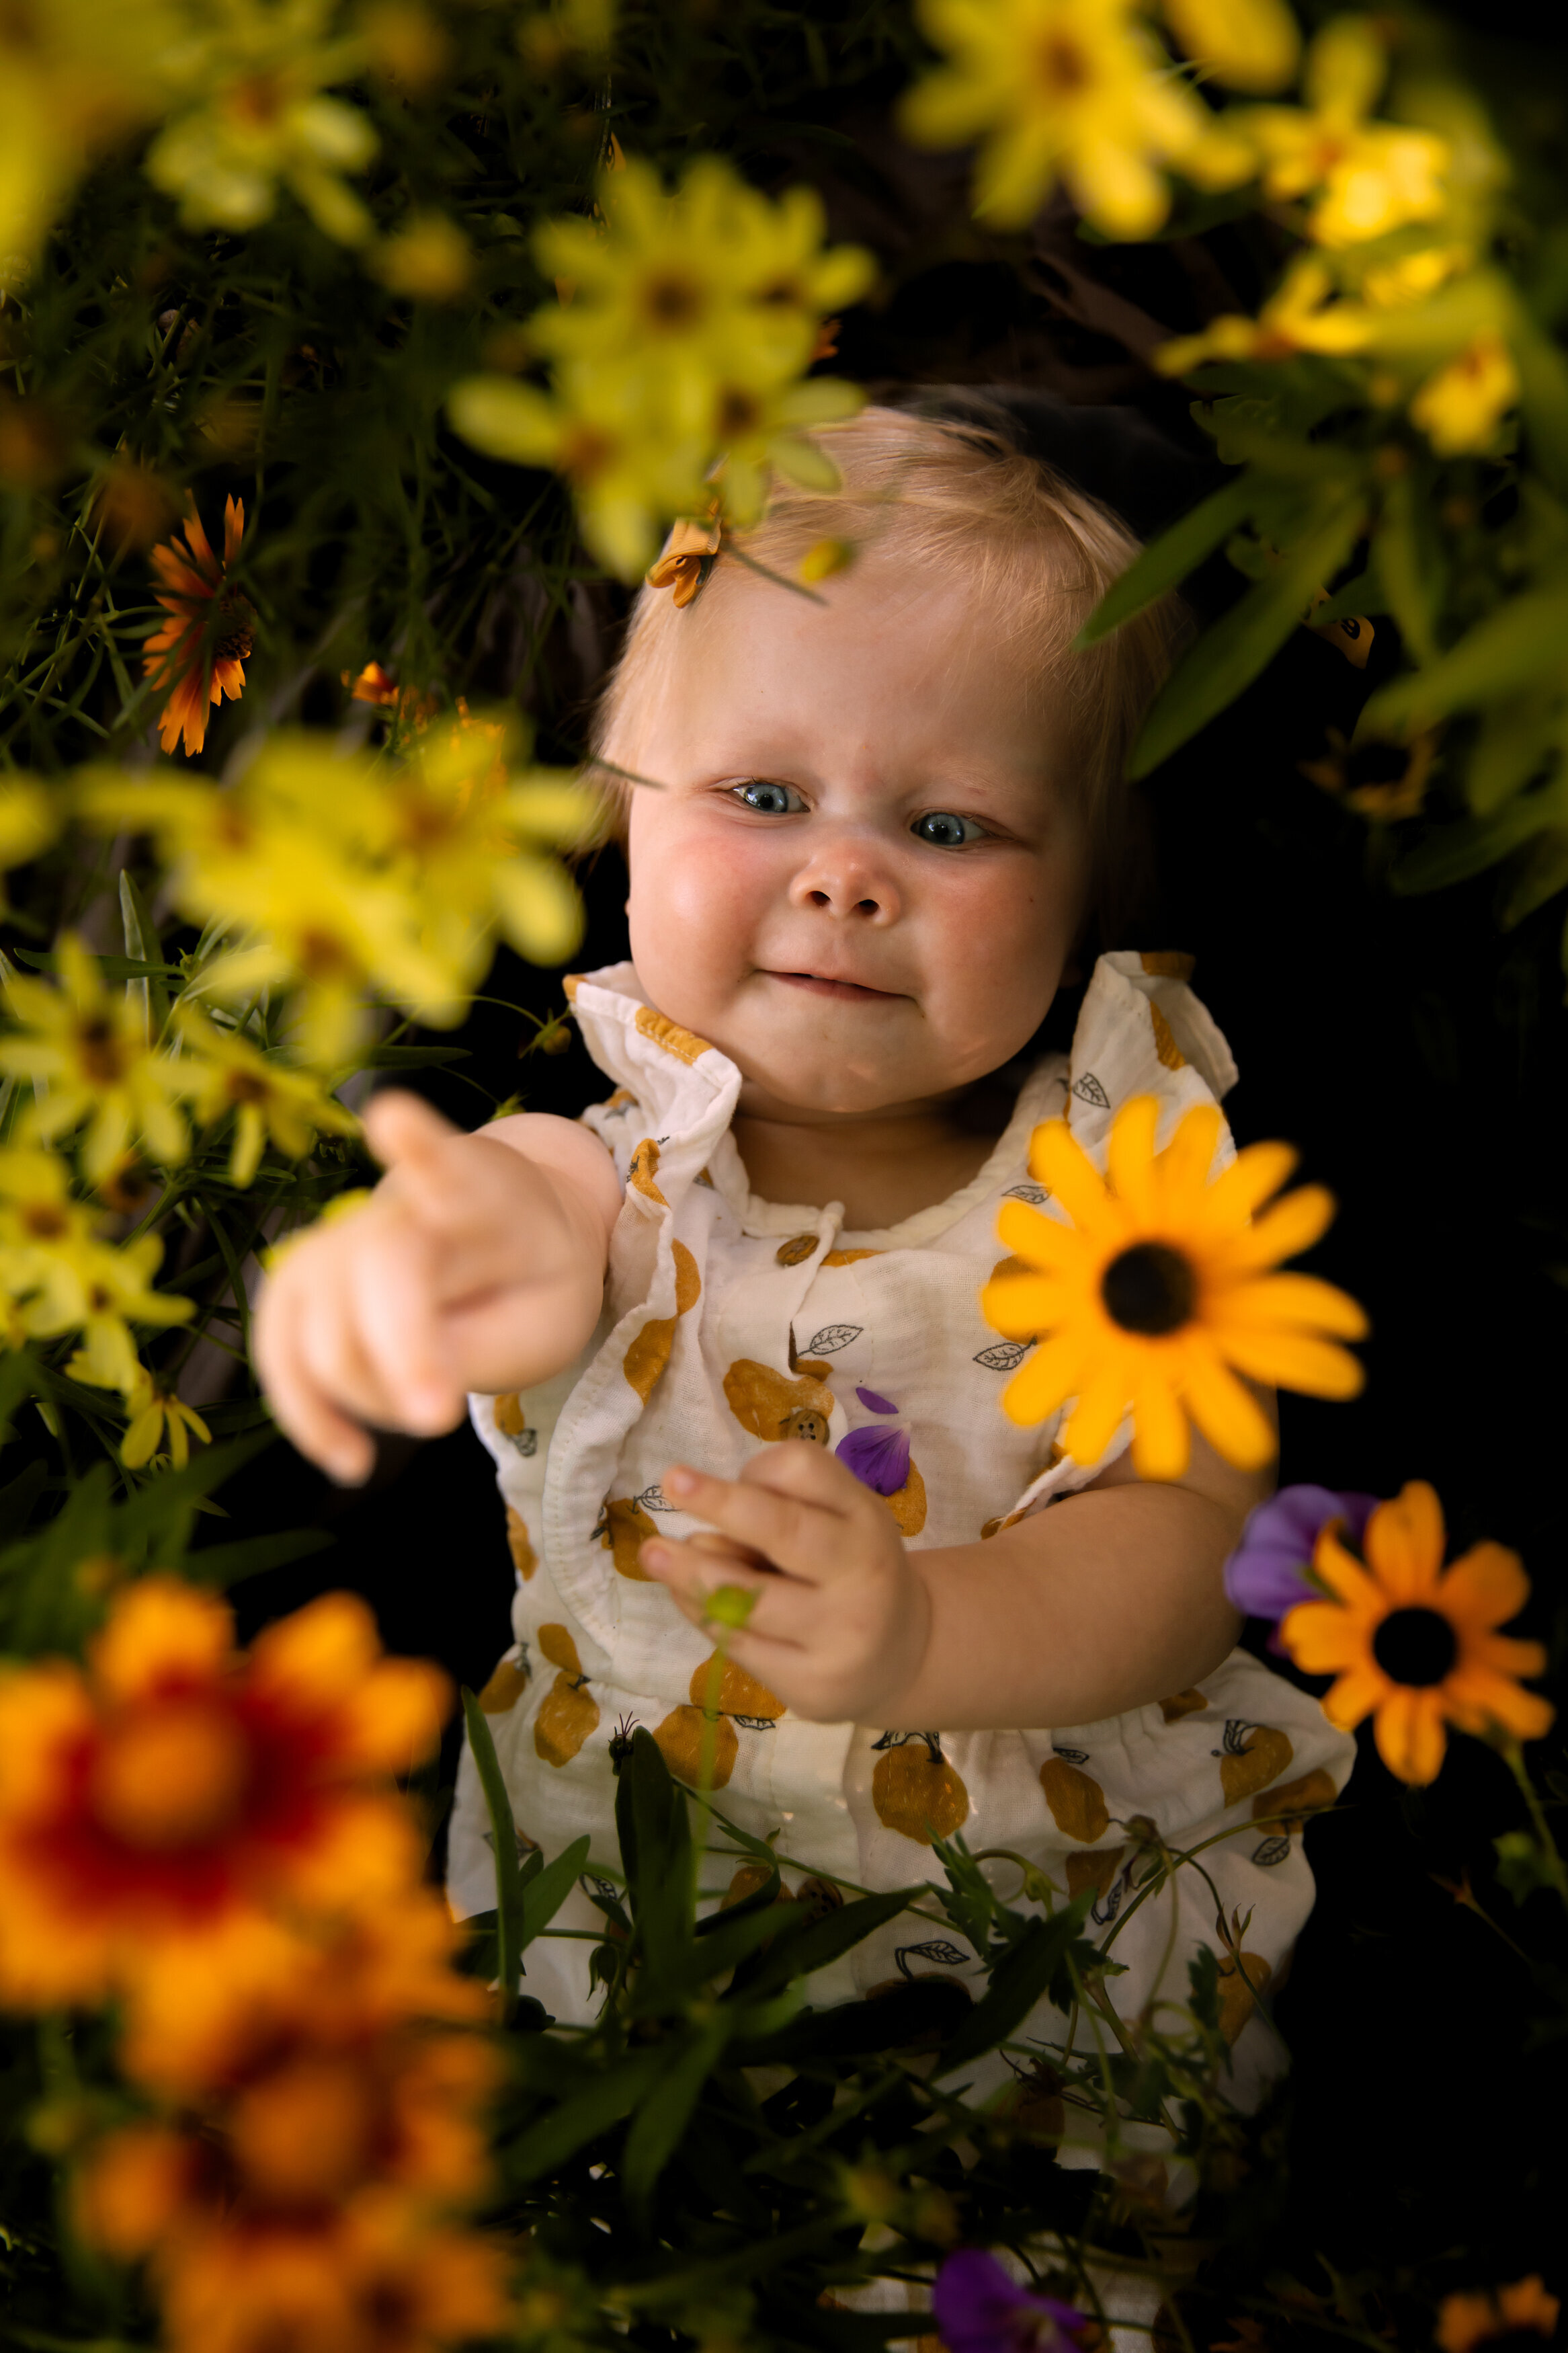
(732, 1323)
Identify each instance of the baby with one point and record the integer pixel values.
(727, 1331)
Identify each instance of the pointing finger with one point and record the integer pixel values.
(403, 1130)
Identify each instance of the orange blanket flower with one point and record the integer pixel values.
(199, 654)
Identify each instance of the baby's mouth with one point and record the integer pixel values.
(848, 991)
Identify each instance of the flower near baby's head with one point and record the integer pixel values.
(174, 1789)
(1268, 1573)
(1162, 1289)
(979, 2309)
(1414, 1645)
(1473, 2316)
(199, 654)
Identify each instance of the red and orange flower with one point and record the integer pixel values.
(199, 654)
(176, 1792)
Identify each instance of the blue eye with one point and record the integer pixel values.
(946, 830)
(769, 800)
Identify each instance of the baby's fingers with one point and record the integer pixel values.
(391, 1285)
(694, 1569)
(302, 1407)
(798, 1523)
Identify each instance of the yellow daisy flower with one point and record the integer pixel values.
(1414, 1645)
(1302, 314)
(1460, 406)
(226, 1072)
(1162, 1289)
(62, 1278)
(153, 1410)
(1362, 179)
(90, 1049)
(1071, 89)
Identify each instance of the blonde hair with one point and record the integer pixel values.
(947, 498)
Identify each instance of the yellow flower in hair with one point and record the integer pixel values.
(1162, 1289)
(1414, 1645)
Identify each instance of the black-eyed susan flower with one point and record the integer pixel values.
(100, 1073)
(1414, 1645)
(174, 1790)
(1163, 1289)
(199, 654)
(1471, 2317)
(222, 1072)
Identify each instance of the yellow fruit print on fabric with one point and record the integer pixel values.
(772, 1407)
(649, 1353)
(1182, 1702)
(1289, 1805)
(1253, 1756)
(1098, 1871)
(1165, 1046)
(908, 1502)
(518, 1542)
(739, 1696)
(623, 1526)
(849, 1257)
(1167, 964)
(640, 1174)
(1239, 1989)
(506, 1685)
(566, 1714)
(507, 1411)
(914, 1788)
(684, 1044)
(1076, 1800)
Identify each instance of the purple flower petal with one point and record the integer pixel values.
(879, 1458)
(1265, 1575)
(875, 1404)
(978, 2309)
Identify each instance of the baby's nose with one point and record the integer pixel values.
(847, 878)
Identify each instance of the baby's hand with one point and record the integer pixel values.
(478, 1263)
(840, 1622)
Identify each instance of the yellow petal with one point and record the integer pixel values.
(1291, 1226)
(1019, 1306)
(1403, 1544)
(1186, 1160)
(1044, 1381)
(1299, 1299)
(1130, 1155)
(1161, 1442)
(1030, 1234)
(1097, 1414)
(1486, 1585)
(1062, 1165)
(1228, 1414)
(1408, 1729)
(1293, 1361)
(1254, 1176)
(1478, 1699)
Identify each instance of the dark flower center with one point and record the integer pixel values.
(1415, 1647)
(239, 636)
(99, 1050)
(1148, 1289)
(671, 300)
(1063, 66)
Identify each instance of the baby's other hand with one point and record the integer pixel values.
(839, 1624)
(478, 1263)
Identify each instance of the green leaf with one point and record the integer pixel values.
(113, 967)
(1407, 566)
(1517, 644)
(503, 1830)
(547, 1888)
(1523, 1864)
(825, 1940)
(1017, 1982)
(142, 942)
(602, 2101)
(227, 1564)
(1452, 853)
(1230, 654)
(1167, 561)
(666, 2109)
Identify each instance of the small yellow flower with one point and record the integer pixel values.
(30, 819)
(1468, 2319)
(1070, 90)
(90, 1048)
(222, 1072)
(1460, 406)
(1250, 45)
(1163, 1288)
(429, 258)
(1301, 315)
(73, 76)
(1414, 1644)
(260, 117)
(1362, 179)
(60, 1277)
(153, 1410)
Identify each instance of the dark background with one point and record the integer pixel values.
(1413, 1052)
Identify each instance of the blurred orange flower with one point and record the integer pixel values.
(1466, 2320)
(199, 654)
(1414, 1644)
(175, 1790)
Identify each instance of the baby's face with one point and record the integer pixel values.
(863, 877)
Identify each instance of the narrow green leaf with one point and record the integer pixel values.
(1167, 561)
(1404, 569)
(547, 1888)
(602, 2102)
(1017, 1982)
(1516, 644)
(227, 1564)
(113, 967)
(1230, 654)
(142, 944)
(825, 1940)
(665, 2110)
(503, 1830)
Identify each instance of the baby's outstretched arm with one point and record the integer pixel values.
(478, 1263)
(1109, 1601)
